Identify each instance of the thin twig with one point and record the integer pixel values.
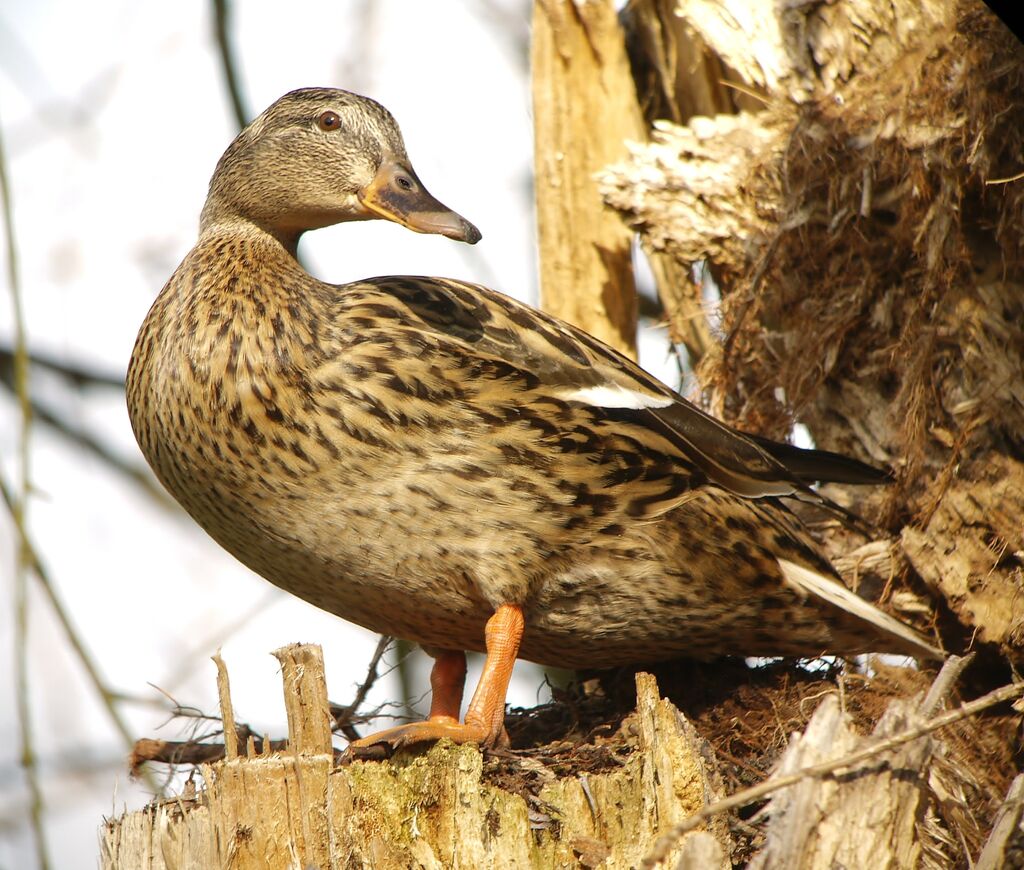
(19, 513)
(746, 90)
(767, 255)
(755, 793)
(343, 716)
(228, 63)
(942, 685)
(1012, 178)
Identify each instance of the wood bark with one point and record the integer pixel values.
(868, 818)
(433, 809)
(584, 107)
(678, 77)
(871, 275)
(1005, 845)
(586, 111)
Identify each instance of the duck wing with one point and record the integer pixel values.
(558, 364)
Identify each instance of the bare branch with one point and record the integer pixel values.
(78, 376)
(81, 438)
(219, 636)
(19, 507)
(108, 697)
(176, 752)
(343, 716)
(228, 62)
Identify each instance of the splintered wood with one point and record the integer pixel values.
(586, 112)
(840, 220)
(868, 821)
(432, 809)
(837, 797)
(584, 107)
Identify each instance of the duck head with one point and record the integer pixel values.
(320, 156)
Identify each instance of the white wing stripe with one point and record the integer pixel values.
(616, 396)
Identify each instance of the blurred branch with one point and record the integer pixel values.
(228, 62)
(404, 649)
(107, 695)
(357, 62)
(510, 26)
(19, 512)
(87, 442)
(20, 62)
(78, 376)
(219, 636)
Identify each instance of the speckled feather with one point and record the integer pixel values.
(410, 452)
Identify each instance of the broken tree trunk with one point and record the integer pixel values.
(584, 108)
(296, 808)
(858, 820)
(863, 226)
(837, 797)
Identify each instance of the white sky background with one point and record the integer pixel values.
(114, 114)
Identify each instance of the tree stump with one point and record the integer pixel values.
(433, 808)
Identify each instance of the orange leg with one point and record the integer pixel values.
(447, 680)
(502, 635)
(486, 714)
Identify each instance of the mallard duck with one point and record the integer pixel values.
(434, 460)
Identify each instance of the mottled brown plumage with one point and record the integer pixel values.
(414, 453)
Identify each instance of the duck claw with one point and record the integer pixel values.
(384, 744)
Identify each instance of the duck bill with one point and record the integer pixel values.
(397, 195)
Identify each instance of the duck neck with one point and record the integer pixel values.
(218, 219)
(253, 254)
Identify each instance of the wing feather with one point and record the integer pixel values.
(568, 365)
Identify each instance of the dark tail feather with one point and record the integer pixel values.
(811, 466)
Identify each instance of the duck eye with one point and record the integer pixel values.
(329, 121)
(404, 182)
